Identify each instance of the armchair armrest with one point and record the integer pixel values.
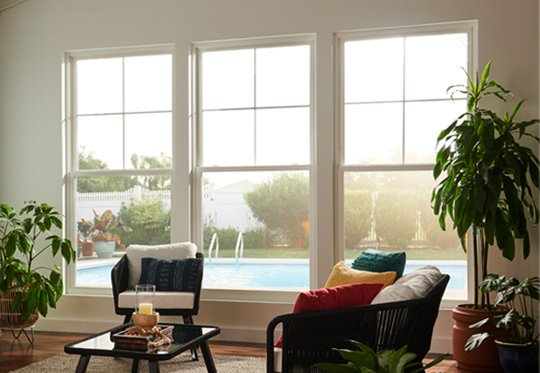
(119, 280)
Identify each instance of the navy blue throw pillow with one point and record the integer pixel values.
(170, 275)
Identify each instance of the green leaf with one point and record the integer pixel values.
(446, 131)
(479, 324)
(431, 363)
(42, 306)
(359, 358)
(403, 361)
(383, 358)
(480, 194)
(516, 109)
(56, 242)
(485, 75)
(16, 303)
(475, 341)
(394, 358)
(362, 347)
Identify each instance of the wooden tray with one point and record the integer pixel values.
(131, 342)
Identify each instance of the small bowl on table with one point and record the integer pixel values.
(145, 321)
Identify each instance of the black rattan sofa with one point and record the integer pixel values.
(309, 337)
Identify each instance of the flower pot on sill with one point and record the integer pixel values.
(104, 249)
(483, 358)
(88, 249)
(516, 358)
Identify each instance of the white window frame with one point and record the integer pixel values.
(468, 27)
(197, 49)
(71, 154)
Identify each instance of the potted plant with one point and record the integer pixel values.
(86, 243)
(488, 188)
(103, 235)
(366, 360)
(518, 351)
(25, 292)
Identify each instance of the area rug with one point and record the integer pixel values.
(182, 364)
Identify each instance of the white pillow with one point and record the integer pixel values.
(135, 253)
(410, 286)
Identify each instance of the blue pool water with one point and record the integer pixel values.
(267, 273)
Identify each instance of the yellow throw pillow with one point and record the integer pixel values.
(344, 275)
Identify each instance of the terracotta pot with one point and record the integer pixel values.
(88, 249)
(485, 357)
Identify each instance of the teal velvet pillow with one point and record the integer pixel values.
(377, 261)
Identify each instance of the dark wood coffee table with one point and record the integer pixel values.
(184, 336)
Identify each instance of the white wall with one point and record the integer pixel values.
(35, 34)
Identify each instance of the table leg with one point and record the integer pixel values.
(208, 360)
(153, 366)
(135, 366)
(83, 364)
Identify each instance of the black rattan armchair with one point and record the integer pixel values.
(119, 280)
(309, 337)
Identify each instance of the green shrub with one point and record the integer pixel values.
(358, 207)
(395, 216)
(227, 237)
(259, 238)
(282, 204)
(150, 223)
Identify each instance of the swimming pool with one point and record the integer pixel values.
(265, 273)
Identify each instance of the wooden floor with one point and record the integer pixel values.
(19, 353)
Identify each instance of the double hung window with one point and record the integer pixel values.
(392, 106)
(120, 163)
(253, 161)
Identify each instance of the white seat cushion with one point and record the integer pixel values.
(163, 300)
(413, 285)
(277, 359)
(135, 253)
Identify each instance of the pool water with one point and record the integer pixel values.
(270, 273)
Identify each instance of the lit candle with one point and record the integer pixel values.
(145, 308)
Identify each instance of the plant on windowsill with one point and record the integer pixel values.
(24, 291)
(86, 244)
(103, 235)
(518, 351)
(488, 186)
(365, 360)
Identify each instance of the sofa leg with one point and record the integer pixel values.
(189, 320)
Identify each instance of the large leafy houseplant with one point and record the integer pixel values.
(365, 360)
(489, 176)
(521, 319)
(20, 245)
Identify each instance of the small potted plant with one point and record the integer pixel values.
(86, 243)
(366, 360)
(518, 351)
(24, 292)
(103, 235)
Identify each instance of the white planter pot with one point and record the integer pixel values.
(104, 249)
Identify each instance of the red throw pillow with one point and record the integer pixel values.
(337, 297)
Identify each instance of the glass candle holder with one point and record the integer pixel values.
(144, 299)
